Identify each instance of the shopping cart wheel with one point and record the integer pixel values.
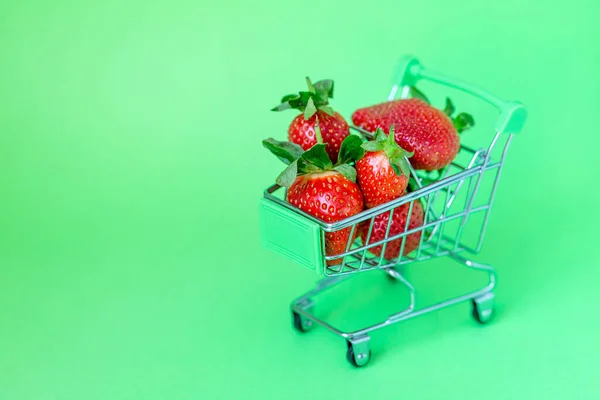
(358, 353)
(301, 323)
(483, 308)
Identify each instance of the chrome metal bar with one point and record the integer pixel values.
(366, 242)
(474, 161)
(460, 184)
(348, 244)
(461, 226)
(405, 237)
(460, 85)
(480, 177)
(441, 224)
(393, 92)
(386, 237)
(401, 234)
(330, 227)
(410, 311)
(405, 92)
(425, 222)
(322, 285)
(417, 179)
(493, 194)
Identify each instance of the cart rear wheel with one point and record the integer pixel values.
(301, 323)
(483, 310)
(357, 360)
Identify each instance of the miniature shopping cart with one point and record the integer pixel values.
(457, 206)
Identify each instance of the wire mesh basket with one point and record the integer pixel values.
(455, 205)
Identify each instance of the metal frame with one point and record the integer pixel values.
(482, 299)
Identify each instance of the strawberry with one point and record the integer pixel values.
(420, 128)
(333, 128)
(397, 226)
(314, 106)
(383, 172)
(330, 197)
(320, 188)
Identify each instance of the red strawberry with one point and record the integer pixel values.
(420, 128)
(398, 225)
(314, 106)
(330, 197)
(383, 172)
(320, 188)
(334, 129)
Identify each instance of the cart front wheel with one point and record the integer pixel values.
(483, 309)
(358, 355)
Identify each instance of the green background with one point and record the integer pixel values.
(131, 169)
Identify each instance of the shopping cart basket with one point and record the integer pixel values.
(455, 202)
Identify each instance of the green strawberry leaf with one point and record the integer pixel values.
(288, 176)
(311, 88)
(318, 92)
(379, 140)
(372, 146)
(323, 91)
(449, 109)
(400, 164)
(297, 101)
(326, 109)
(289, 97)
(397, 156)
(283, 106)
(463, 121)
(310, 109)
(318, 157)
(350, 150)
(416, 93)
(325, 87)
(304, 167)
(286, 151)
(303, 98)
(396, 169)
(348, 171)
(380, 135)
(390, 139)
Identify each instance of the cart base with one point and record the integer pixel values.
(358, 351)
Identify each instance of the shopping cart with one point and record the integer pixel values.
(457, 206)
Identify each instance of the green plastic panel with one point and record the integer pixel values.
(291, 235)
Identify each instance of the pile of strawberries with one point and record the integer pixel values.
(333, 175)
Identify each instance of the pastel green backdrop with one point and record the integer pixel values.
(131, 169)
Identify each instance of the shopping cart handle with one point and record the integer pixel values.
(512, 113)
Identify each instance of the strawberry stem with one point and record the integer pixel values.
(311, 88)
(318, 131)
